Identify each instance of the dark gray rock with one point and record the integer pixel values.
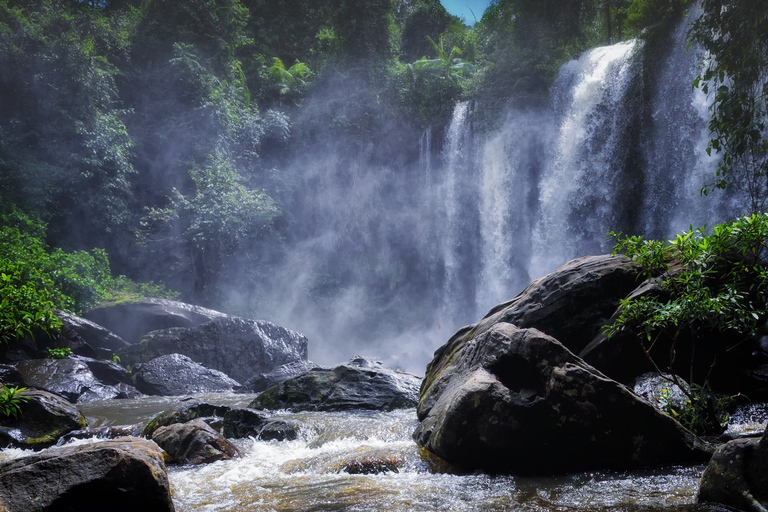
(572, 304)
(360, 384)
(263, 381)
(242, 423)
(175, 374)
(737, 475)
(131, 320)
(69, 377)
(194, 442)
(11, 376)
(121, 475)
(187, 410)
(516, 400)
(80, 331)
(44, 419)
(279, 430)
(236, 346)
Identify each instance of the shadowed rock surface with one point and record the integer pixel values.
(360, 384)
(175, 374)
(120, 475)
(194, 442)
(516, 400)
(737, 475)
(236, 346)
(241, 423)
(88, 332)
(131, 320)
(44, 418)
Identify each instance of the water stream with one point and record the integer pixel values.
(306, 475)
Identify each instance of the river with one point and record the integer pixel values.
(306, 474)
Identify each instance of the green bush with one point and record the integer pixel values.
(34, 281)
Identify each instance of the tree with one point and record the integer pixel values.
(735, 74)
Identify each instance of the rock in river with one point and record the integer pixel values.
(175, 374)
(121, 475)
(360, 384)
(44, 418)
(516, 400)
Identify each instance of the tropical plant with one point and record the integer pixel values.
(58, 352)
(11, 398)
(290, 79)
(447, 65)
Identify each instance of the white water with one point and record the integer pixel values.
(307, 474)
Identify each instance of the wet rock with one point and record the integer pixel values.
(572, 304)
(263, 381)
(737, 475)
(279, 430)
(108, 372)
(175, 374)
(236, 346)
(370, 466)
(242, 423)
(44, 419)
(80, 331)
(194, 442)
(69, 377)
(360, 384)
(103, 432)
(11, 376)
(131, 320)
(121, 475)
(518, 401)
(186, 411)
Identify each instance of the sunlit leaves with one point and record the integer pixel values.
(713, 282)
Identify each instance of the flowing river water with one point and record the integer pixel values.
(307, 474)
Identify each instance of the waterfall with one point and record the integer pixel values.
(583, 174)
(677, 163)
(456, 167)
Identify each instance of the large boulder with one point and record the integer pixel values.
(70, 378)
(360, 384)
(132, 319)
(517, 400)
(44, 419)
(236, 346)
(194, 442)
(175, 374)
(737, 475)
(121, 475)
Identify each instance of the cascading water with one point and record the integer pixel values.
(677, 163)
(585, 169)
